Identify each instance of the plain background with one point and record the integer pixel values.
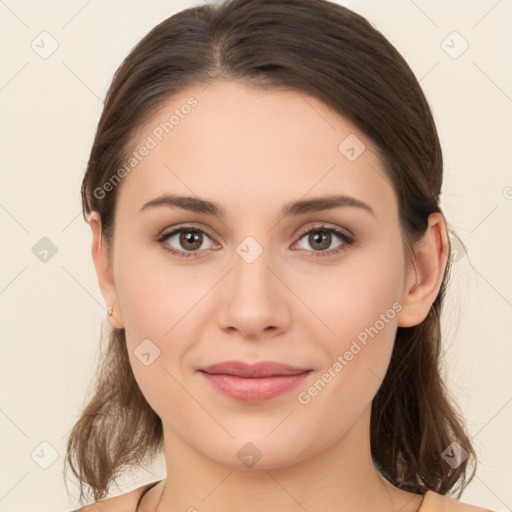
(51, 312)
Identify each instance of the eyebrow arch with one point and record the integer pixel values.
(299, 207)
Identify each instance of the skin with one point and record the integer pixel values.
(252, 151)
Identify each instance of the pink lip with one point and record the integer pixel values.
(256, 382)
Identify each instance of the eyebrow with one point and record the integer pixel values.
(195, 204)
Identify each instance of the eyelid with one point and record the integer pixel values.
(178, 227)
(327, 226)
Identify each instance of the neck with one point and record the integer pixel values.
(342, 478)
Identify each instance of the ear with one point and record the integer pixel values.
(104, 271)
(424, 278)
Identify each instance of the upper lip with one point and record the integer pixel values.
(261, 369)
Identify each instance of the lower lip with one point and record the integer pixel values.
(254, 389)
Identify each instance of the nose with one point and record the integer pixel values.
(254, 302)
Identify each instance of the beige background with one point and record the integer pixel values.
(51, 312)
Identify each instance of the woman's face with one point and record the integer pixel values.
(255, 285)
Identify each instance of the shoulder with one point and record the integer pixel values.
(126, 502)
(434, 502)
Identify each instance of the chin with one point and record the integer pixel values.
(258, 452)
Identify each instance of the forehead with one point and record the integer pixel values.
(234, 143)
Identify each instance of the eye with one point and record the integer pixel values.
(187, 241)
(188, 238)
(320, 238)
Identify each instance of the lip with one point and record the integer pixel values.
(253, 382)
(255, 370)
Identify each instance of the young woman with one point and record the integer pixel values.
(263, 193)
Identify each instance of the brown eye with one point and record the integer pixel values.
(320, 239)
(191, 240)
(185, 241)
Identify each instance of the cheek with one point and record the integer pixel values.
(154, 294)
(354, 298)
(154, 306)
(160, 304)
(358, 306)
(356, 358)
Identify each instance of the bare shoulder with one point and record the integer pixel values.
(126, 502)
(434, 502)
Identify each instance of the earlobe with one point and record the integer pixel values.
(425, 278)
(104, 273)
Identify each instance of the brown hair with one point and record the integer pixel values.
(329, 52)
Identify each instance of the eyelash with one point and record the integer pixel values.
(347, 240)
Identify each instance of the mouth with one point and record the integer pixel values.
(254, 382)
